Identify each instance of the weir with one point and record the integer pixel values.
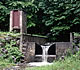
(36, 48)
(43, 54)
(46, 52)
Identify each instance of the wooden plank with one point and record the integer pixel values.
(16, 19)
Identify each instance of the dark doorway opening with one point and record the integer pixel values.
(52, 50)
(38, 50)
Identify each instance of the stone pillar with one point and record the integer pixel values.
(23, 28)
(30, 53)
(11, 12)
(23, 21)
(71, 37)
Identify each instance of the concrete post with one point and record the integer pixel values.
(71, 37)
(18, 22)
(11, 15)
(23, 28)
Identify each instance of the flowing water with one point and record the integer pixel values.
(45, 53)
(44, 57)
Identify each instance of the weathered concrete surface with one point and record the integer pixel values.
(62, 48)
(29, 51)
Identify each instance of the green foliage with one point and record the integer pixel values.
(43, 16)
(12, 34)
(11, 52)
(76, 34)
(4, 63)
(60, 15)
(7, 6)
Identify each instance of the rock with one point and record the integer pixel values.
(5, 51)
(15, 60)
(62, 57)
(8, 38)
(18, 42)
(1, 44)
(0, 54)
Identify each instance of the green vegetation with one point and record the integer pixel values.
(36, 35)
(7, 6)
(6, 34)
(4, 63)
(61, 16)
(52, 17)
(71, 62)
(76, 34)
(49, 18)
(9, 50)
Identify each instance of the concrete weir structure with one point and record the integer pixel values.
(33, 47)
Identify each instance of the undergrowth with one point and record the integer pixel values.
(9, 51)
(69, 63)
(4, 63)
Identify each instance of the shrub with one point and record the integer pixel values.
(11, 51)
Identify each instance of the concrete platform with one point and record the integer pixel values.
(35, 64)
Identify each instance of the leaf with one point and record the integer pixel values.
(60, 18)
(77, 11)
(49, 22)
(30, 24)
(61, 4)
(77, 23)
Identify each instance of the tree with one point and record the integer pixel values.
(60, 15)
(46, 17)
(7, 6)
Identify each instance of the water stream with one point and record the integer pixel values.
(44, 57)
(45, 53)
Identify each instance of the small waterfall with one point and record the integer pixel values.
(45, 53)
(45, 49)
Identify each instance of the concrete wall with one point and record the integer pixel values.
(62, 48)
(29, 51)
(36, 39)
(28, 46)
(27, 42)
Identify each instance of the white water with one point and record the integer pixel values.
(39, 64)
(45, 53)
(44, 57)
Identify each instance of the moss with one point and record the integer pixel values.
(6, 34)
